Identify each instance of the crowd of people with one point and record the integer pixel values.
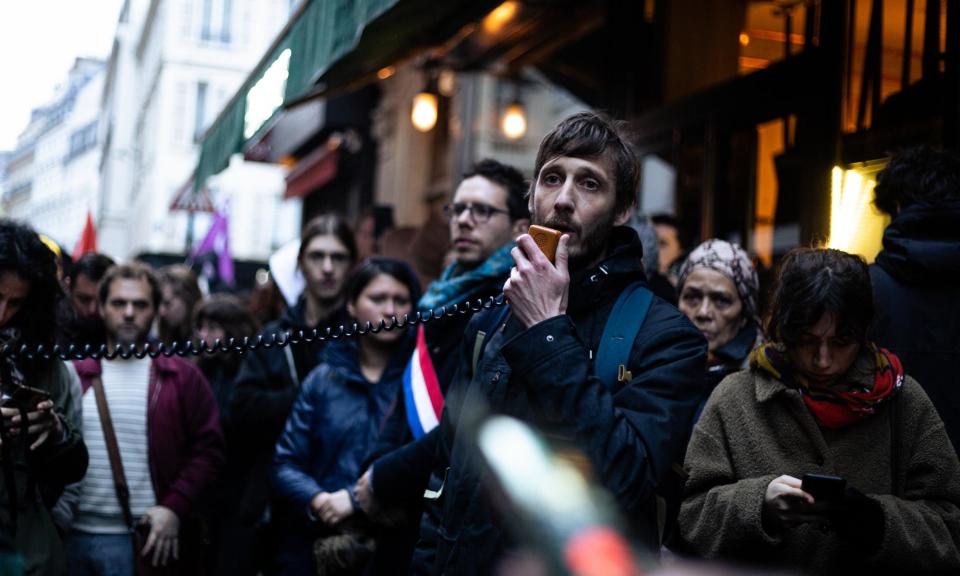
(817, 435)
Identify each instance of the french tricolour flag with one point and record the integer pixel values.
(421, 390)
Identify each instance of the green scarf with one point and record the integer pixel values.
(458, 285)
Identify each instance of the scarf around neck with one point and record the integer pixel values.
(457, 285)
(835, 406)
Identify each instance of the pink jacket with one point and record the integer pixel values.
(184, 440)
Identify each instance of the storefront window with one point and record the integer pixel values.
(856, 226)
(773, 30)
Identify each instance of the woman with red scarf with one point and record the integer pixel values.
(819, 398)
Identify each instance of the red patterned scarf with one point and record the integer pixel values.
(834, 406)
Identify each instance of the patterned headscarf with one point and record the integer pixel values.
(731, 261)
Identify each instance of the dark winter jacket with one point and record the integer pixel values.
(401, 476)
(730, 358)
(334, 424)
(402, 465)
(264, 391)
(755, 429)
(916, 280)
(184, 440)
(55, 463)
(632, 433)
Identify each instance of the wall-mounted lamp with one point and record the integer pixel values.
(513, 120)
(423, 114)
(513, 124)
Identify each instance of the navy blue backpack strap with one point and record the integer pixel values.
(488, 325)
(623, 325)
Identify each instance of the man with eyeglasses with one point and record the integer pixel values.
(623, 399)
(488, 211)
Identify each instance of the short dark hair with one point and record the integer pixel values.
(920, 175)
(812, 282)
(183, 282)
(664, 219)
(230, 313)
(131, 271)
(92, 265)
(683, 237)
(508, 178)
(590, 135)
(24, 254)
(376, 265)
(328, 225)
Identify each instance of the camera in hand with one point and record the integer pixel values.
(24, 396)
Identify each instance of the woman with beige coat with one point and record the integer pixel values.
(819, 398)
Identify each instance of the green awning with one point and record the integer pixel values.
(333, 42)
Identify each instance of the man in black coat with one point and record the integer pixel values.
(538, 364)
(488, 210)
(916, 277)
(268, 382)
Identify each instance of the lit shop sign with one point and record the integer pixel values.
(266, 95)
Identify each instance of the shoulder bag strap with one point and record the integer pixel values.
(624, 323)
(113, 451)
(488, 327)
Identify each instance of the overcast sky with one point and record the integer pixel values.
(39, 40)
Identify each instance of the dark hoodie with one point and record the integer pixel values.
(632, 433)
(916, 280)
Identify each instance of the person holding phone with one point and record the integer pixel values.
(823, 456)
(46, 452)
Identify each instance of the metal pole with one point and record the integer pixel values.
(907, 46)
(189, 241)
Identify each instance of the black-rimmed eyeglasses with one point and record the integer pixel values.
(480, 212)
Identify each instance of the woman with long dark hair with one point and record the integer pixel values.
(819, 398)
(338, 415)
(46, 452)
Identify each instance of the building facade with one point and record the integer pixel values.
(173, 66)
(52, 177)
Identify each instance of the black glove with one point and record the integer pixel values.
(860, 522)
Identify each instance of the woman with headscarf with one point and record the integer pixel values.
(718, 292)
(820, 398)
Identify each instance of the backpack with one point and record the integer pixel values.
(611, 367)
(613, 355)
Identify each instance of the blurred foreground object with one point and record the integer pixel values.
(572, 524)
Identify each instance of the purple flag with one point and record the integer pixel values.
(217, 241)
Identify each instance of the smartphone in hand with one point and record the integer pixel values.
(547, 239)
(823, 487)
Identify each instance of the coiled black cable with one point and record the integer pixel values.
(247, 343)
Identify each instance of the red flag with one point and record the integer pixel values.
(88, 239)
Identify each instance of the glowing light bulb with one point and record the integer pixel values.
(424, 112)
(514, 122)
(495, 20)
